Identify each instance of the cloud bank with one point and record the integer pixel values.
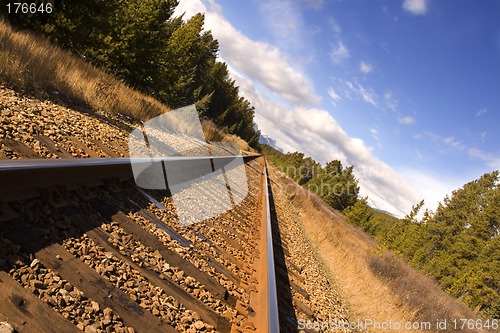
(260, 68)
(416, 7)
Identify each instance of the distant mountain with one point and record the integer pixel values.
(373, 205)
(267, 140)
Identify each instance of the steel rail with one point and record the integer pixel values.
(272, 294)
(265, 317)
(38, 173)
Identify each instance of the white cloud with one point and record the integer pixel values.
(333, 94)
(257, 66)
(391, 102)
(406, 120)
(367, 94)
(356, 90)
(316, 133)
(435, 186)
(375, 136)
(190, 8)
(452, 142)
(335, 25)
(490, 160)
(314, 4)
(259, 60)
(481, 112)
(433, 136)
(283, 20)
(416, 7)
(449, 141)
(449, 144)
(339, 53)
(365, 68)
(353, 90)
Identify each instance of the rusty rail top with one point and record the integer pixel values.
(29, 173)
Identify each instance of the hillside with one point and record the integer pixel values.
(168, 62)
(457, 246)
(376, 283)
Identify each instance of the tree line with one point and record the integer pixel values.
(458, 245)
(142, 43)
(335, 184)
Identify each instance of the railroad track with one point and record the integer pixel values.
(83, 249)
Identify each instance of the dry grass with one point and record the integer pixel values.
(376, 283)
(421, 293)
(215, 134)
(211, 131)
(33, 63)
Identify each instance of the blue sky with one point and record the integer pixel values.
(407, 91)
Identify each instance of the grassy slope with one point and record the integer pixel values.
(377, 284)
(31, 63)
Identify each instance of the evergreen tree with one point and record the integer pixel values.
(359, 214)
(140, 42)
(459, 245)
(336, 185)
(189, 54)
